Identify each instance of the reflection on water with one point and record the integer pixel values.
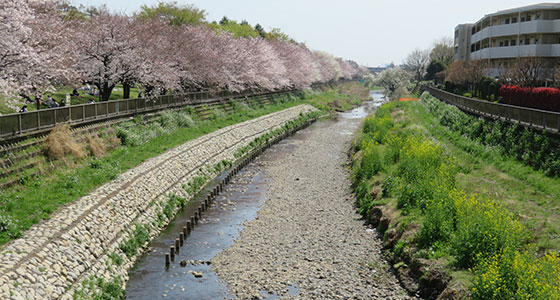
(369, 106)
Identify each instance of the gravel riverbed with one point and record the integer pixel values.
(308, 241)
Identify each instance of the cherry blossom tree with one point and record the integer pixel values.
(41, 46)
(107, 50)
(32, 51)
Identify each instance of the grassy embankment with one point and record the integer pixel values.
(471, 196)
(78, 167)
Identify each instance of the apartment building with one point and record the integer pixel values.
(528, 31)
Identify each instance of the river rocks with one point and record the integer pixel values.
(308, 236)
(75, 243)
(197, 274)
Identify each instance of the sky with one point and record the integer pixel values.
(370, 32)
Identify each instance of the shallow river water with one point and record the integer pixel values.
(240, 201)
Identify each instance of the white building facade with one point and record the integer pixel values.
(529, 31)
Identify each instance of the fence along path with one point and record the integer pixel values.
(528, 117)
(19, 124)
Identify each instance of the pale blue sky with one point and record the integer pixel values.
(371, 32)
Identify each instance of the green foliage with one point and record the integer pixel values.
(433, 68)
(116, 258)
(377, 128)
(479, 233)
(99, 289)
(371, 164)
(138, 238)
(534, 149)
(138, 131)
(195, 184)
(484, 229)
(173, 13)
(6, 225)
(517, 275)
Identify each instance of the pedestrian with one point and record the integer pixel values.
(23, 109)
(50, 102)
(68, 98)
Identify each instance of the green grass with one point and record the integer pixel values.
(478, 209)
(116, 94)
(528, 193)
(331, 101)
(42, 195)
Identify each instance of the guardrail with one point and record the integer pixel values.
(18, 124)
(529, 117)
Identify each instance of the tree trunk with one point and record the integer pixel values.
(106, 92)
(126, 90)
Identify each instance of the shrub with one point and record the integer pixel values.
(60, 143)
(422, 168)
(6, 223)
(484, 229)
(528, 146)
(517, 275)
(138, 238)
(539, 98)
(378, 127)
(372, 162)
(439, 223)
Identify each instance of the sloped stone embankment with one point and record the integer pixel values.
(53, 258)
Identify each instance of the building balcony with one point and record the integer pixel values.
(539, 50)
(531, 27)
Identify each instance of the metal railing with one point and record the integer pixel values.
(18, 124)
(529, 117)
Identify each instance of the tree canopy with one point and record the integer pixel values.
(174, 13)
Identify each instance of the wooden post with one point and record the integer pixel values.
(181, 239)
(172, 252)
(167, 260)
(189, 228)
(177, 243)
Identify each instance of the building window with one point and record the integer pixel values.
(501, 44)
(514, 20)
(522, 19)
(507, 21)
(513, 42)
(506, 43)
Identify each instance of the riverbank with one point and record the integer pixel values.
(100, 235)
(308, 242)
(461, 219)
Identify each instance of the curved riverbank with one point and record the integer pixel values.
(308, 242)
(85, 239)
